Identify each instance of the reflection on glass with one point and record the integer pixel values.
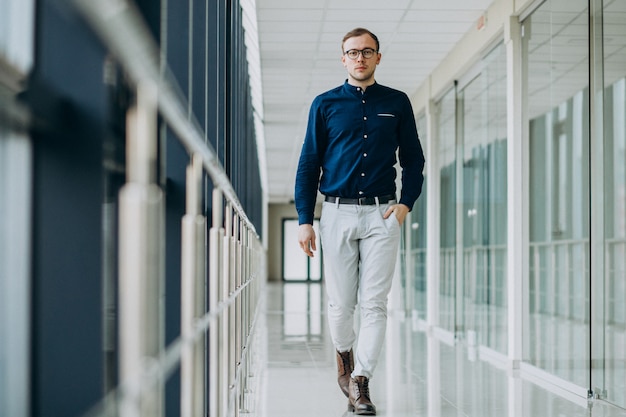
(446, 126)
(557, 320)
(615, 199)
(484, 202)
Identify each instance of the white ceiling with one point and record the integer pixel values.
(300, 53)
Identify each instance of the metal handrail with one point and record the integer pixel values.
(161, 369)
(235, 260)
(124, 32)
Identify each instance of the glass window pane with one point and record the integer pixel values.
(615, 200)
(446, 125)
(485, 203)
(556, 49)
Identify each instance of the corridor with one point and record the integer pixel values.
(148, 156)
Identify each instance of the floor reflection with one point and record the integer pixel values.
(297, 326)
(418, 374)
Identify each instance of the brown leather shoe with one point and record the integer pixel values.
(360, 397)
(345, 366)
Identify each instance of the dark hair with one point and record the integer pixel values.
(358, 32)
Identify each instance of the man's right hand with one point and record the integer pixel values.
(306, 239)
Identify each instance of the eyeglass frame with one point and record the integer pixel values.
(360, 52)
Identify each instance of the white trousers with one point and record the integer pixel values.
(360, 254)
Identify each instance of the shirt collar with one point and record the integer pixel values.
(358, 90)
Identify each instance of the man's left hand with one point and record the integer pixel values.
(400, 211)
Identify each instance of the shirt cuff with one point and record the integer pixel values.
(305, 219)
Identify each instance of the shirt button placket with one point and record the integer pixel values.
(364, 146)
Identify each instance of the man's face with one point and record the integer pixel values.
(360, 70)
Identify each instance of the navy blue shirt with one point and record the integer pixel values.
(351, 140)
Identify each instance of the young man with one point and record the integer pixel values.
(352, 136)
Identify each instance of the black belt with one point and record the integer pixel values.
(363, 201)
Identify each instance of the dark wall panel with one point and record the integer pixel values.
(79, 167)
(68, 97)
(178, 26)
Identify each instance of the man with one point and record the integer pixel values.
(352, 136)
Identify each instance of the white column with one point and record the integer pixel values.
(517, 205)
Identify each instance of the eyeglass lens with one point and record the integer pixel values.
(354, 53)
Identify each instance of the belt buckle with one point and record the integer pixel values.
(361, 201)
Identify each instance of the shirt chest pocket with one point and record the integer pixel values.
(386, 122)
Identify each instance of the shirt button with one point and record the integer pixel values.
(362, 174)
(365, 155)
(365, 118)
(364, 136)
(360, 192)
(363, 101)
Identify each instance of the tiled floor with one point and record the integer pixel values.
(418, 375)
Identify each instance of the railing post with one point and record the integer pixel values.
(228, 356)
(216, 378)
(246, 297)
(192, 294)
(233, 315)
(141, 269)
(238, 312)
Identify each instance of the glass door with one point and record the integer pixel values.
(484, 216)
(446, 126)
(610, 383)
(296, 265)
(557, 315)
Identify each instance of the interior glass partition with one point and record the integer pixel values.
(614, 175)
(484, 205)
(446, 126)
(558, 313)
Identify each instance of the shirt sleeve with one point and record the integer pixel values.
(309, 165)
(411, 157)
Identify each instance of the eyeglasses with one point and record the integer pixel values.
(354, 53)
